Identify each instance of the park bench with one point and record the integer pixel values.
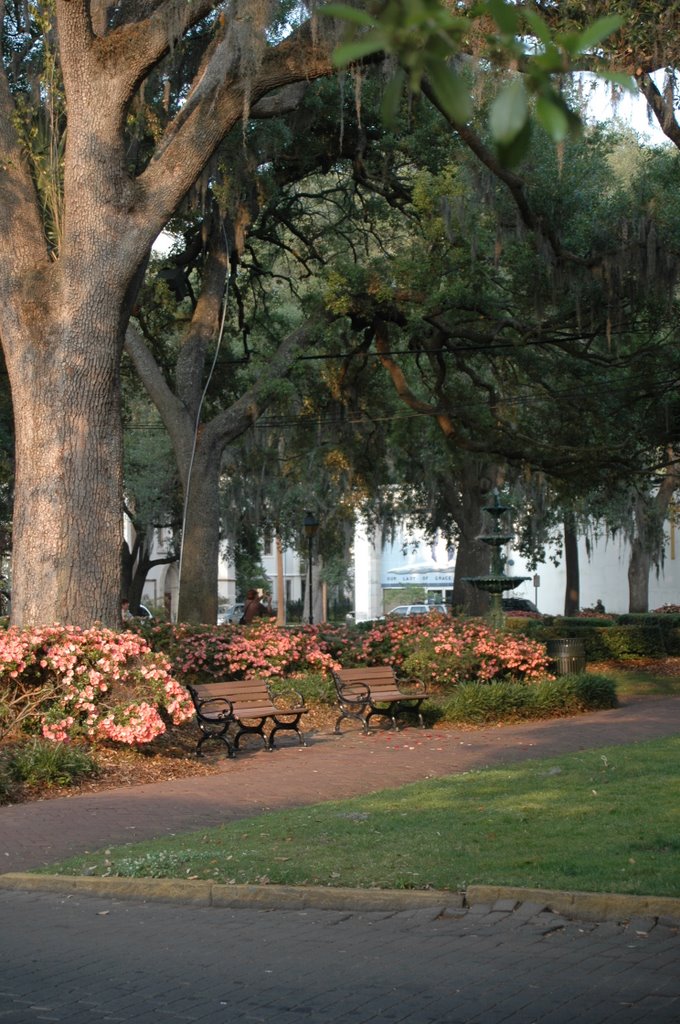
(244, 706)
(375, 690)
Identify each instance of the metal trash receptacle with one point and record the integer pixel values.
(568, 655)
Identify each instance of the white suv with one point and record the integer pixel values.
(418, 609)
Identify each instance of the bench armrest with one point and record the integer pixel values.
(224, 707)
(285, 695)
(355, 692)
(409, 683)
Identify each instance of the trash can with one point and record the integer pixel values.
(568, 655)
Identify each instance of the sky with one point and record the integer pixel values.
(631, 109)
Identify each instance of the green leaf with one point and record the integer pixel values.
(450, 91)
(347, 13)
(347, 53)
(504, 15)
(553, 118)
(509, 113)
(598, 31)
(510, 154)
(551, 60)
(537, 26)
(392, 98)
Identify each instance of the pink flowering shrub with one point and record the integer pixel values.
(442, 652)
(263, 649)
(94, 683)
(435, 648)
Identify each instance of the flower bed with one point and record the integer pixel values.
(126, 687)
(442, 651)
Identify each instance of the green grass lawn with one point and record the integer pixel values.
(606, 820)
(638, 683)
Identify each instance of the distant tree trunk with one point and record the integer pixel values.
(647, 543)
(473, 558)
(466, 500)
(280, 584)
(136, 564)
(572, 593)
(201, 539)
(199, 457)
(639, 567)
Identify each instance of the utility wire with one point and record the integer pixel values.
(197, 423)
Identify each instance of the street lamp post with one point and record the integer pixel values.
(311, 525)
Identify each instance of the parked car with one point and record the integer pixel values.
(519, 604)
(231, 615)
(418, 609)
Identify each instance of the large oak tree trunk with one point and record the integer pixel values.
(67, 510)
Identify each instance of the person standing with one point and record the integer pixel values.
(256, 606)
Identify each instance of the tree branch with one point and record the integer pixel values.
(663, 107)
(22, 237)
(214, 107)
(382, 345)
(232, 422)
(172, 411)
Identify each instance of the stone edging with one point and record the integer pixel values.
(583, 906)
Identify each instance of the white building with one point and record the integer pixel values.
(161, 589)
(410, 560)
(603, 566)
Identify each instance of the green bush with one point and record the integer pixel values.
(593, 691)
(612, 641)
(642, 641)
(315, 687)
(40, 762)
(479, 703)
(668, 623)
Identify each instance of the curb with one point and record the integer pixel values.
(583, 906)
(212, 894)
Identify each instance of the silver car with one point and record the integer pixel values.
(231, 615)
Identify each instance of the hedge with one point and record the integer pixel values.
(479, 703)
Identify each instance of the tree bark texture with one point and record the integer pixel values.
(639, 567)
(200, 540)
(68, 497)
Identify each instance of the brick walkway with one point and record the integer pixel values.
(88, 960)
(332, 767)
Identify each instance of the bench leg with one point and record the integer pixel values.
(257, 729)
(287, 725)
(357, 716)
(215, 736)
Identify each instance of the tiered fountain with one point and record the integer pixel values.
(496, 582)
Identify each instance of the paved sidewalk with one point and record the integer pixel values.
(88, 960)
(332, 767)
